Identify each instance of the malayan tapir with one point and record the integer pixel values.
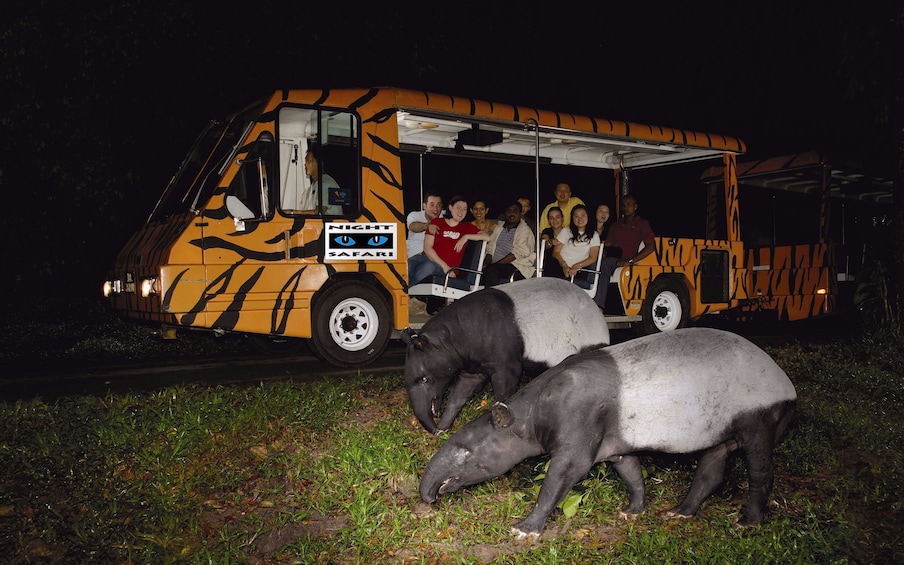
(496, 334)
(692, 391)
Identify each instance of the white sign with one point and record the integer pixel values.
(361, 242)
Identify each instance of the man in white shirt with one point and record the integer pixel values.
(418, 222)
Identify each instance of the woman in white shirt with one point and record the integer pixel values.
(580, 245)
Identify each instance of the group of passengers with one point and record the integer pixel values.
(572, 240)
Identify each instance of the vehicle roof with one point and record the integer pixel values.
(430, 122)
(805, 173)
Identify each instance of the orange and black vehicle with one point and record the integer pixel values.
(286, 220)
(810, 221)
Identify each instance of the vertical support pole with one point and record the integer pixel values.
(824, 204)
(712, 208)
(537, 208)
(732, 208)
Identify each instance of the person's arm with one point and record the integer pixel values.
(507, 259)
(557, 255)
(418, 226)
(589, 261)
(524, 245)
(647, 249)
(460, 244)
(432, 254)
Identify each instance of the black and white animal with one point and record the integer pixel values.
(496, 334)
(692, 391)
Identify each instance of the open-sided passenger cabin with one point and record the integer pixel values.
(588, 286)
(807, 205)
(466, 279)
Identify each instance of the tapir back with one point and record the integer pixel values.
(685, 390)
(556, 319)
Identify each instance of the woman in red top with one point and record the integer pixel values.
(446, 247)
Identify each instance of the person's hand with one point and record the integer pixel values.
(460, 244)
(432, 229)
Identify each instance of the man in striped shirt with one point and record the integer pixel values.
(512, 250)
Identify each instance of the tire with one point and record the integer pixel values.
(351, 325)
(665, 307)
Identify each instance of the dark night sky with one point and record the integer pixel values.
(125, 87)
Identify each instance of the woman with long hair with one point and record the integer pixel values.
(580, 247)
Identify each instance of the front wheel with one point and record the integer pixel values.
(666, 307)
(351, 325)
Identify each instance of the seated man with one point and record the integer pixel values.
(418, 224)
(622, 243)
(511, 250)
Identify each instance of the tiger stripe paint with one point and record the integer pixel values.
(263, 279)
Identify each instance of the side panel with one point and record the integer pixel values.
(795, 281)
(682, 257)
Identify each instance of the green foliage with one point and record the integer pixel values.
(328, 472)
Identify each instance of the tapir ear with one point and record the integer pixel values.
(502, 415)
(410, 336)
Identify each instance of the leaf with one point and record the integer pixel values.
(570, 504)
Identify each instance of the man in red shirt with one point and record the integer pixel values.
(622, 243)
(626, 235)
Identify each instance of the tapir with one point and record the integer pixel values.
(694, 391)
(496, 334)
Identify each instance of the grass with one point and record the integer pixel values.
(327, 472)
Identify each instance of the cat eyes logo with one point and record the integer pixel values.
(352, 242)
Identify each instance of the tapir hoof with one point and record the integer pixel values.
(675, 515)
(745, 521)
(628, 516)
(529, 536)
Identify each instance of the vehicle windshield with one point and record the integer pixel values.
(200, 172)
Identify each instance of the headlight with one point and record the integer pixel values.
(112, 287)
(148, 287)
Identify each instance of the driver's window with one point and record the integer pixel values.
(319, 170)
(247, 197)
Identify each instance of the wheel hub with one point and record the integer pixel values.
(348, 323)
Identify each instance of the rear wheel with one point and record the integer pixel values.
(351, 325)
(666, 306)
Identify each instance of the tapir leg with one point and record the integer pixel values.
(758, 441)
(505, 384)
(462, 390)
(565, 471)
(758, 453)
(709, 475)
(631, 473)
